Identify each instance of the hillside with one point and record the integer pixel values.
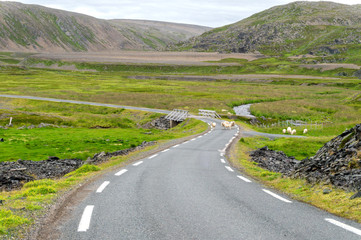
(299, 28)
(35, 28)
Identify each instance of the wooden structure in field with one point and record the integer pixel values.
(177, 116)
(208, 113)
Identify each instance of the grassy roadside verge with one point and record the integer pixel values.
(21, 209)
(336, 202)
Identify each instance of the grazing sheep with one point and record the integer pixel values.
(213, 124)
(305, 131)
(293, 132)
(284, 131)
(232, 124)
(226, 125)
(289, 129)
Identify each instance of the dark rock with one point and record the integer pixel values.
(160, 123)
(275, 161)
(326, 191)
(356, 195)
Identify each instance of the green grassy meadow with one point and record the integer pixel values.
(82, 130)
(86, 130)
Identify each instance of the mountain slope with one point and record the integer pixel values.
(37, 28)
(298, 27)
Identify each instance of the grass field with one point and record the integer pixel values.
(86, 130)
(83, 130)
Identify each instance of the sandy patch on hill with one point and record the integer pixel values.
(330, 66)
(181, 58)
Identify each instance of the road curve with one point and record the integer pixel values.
(190, 191)
(245, 133)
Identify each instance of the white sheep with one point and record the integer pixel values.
(226, 125)
(284, 131)
(232, 124)
(305, 131)
(293, 132)
(289, 129)
(213, 124)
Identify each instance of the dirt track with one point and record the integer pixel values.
(181, 58)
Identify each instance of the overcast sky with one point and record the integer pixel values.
(212, 13)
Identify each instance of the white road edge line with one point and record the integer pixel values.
(222, 160)
(85, 218)
(153, 156)
(221, 154)
(137, 163)
(244, 179)
(102, 187)
(229, 169)
(175, 146)
(276, 196)
(193, 139)
(121, 172)
(166, 150)
(344, 226)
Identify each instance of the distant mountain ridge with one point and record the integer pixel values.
(298, 27)
(26, 27)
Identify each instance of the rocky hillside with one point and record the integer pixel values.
(299, 28)
(36, 28)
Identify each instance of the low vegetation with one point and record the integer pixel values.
(80, 131)
(337, 201)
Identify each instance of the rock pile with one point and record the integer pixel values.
(15, 174)
(338, 162)
(275, 161)
(160, 123)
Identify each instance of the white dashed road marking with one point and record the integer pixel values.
(176, 146)
(153, 156)
(121, 172)
(229, 169)
(344, 226)
(102, 187)
(276, 196)
(166, 150)
(244, 179)
(85, 218)
(222, 160)
(137, 163)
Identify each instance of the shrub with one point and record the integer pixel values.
(9, 220)
(40, 190)
(87, 168)
(42, 182)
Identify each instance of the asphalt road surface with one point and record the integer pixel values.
(189, 191)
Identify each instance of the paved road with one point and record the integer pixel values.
(190, 192)
(85, 103)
